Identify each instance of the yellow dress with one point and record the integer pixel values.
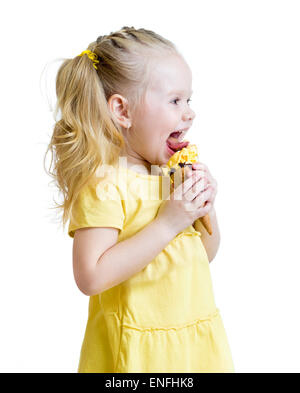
(164, 318)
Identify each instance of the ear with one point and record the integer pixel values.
(118, 106)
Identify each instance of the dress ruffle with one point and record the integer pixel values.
(197, 346)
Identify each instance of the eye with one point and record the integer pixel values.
(177, 99)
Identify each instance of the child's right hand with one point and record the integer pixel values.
(186, 203)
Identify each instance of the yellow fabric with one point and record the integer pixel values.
(164, 318)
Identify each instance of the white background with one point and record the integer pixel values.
(245, 60)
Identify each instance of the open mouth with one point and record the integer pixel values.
(176, 134)
(175, 141)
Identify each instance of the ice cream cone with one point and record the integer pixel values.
(178, 164)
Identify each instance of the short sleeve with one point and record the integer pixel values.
(98, 205)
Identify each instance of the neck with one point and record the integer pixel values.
(140, 165)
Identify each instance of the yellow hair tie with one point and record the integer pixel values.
(93, 56)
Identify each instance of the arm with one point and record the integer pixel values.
(210, 242)
(121, 260)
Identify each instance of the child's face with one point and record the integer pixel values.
(166, 109)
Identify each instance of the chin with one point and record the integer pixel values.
(161, 161)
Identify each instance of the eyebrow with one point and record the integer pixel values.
(179, 92)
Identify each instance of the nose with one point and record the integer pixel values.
(189, 114)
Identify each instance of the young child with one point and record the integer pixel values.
(137, 255)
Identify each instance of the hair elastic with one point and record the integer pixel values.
(93, 56)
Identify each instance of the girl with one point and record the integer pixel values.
(137, 255)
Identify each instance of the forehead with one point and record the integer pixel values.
(170, 75)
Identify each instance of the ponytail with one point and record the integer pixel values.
(87, 136)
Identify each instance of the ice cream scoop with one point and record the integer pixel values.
(178, 164)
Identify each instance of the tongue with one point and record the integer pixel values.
(175, 145)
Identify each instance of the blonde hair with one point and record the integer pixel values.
(87, 135)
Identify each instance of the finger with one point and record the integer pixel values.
(204, 168)
(203, 210)
(213, 197)
(200, 200)
(185, 186)
(199, 165)
(189, 172)
(196, 189)
(214, 189)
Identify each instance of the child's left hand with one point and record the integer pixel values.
(211, 182)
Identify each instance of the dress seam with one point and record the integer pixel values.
(188, 233)
(195, 322)
(119, 349)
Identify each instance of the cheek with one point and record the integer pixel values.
(155, 123)
(167, 124)
(152, 120)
